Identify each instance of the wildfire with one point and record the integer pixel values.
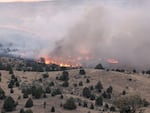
(60, 62)
(112, 61)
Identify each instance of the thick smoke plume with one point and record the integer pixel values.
(118, 31)
(83, 31)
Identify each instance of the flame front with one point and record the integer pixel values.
(60, 62)
(112, 61)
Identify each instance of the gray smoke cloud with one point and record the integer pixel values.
(118, 30)
(88, 31)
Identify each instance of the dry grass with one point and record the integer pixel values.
(119, 81)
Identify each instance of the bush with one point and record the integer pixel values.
(82, 72)
(70, 104)
(17, 84)
(10, 70)
(109, 89)
(45, 75)
(10, 85)
(9, 104)
(11, 90)
(64, 76)
(106, 95)
(25, 95)
(123, 92)
(29, 111)
(86, 92)
(29, 103)
(48, 90)
(106, 106)
(129, 103)
(99, 86)
(92, 97)
(65, 84)
(87, 81)
(99, 101)
(56, 92)
(53, 109)
(80, 83)
(22, 111)
(92, 106)
(99, 66)
(85, 104)
(2, 93)
(112, 108)
(37, 92)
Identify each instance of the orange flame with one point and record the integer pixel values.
(112, 61)
(60, 62)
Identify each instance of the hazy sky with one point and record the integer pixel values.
(104, 29)
(21, 0)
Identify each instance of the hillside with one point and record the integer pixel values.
(132, 84)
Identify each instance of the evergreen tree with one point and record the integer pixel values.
(9, 104)
(86, 92)
(70, 104)
(29, 103)
(82, 72)
(2, 94)
(99, 101)
(53, 109)
(99, 86)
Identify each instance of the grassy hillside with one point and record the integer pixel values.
(130, 84)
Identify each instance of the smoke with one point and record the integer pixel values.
(114, 30)
(83, 30)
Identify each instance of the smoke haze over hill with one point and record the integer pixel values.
(83, 29)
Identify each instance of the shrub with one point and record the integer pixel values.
(87, 81)
(11, 90)
(86, 92)
(45, 75)
(82, 72)
(2, 93)
(106, 106)
(99, 66)
(92, 97)
(112, 108)
(56, 92)
(17, 84)
(106, 95)
(10, 85)
(99, 86)
(53, 109)
(37, 92)
(25, 94)
(129, 103)
(92, 106)
(80, 83)
(29, 111)
(29, 103)
(48, 90)
(10, 70)
(85, 104)
(99, 101)
(51, 84)
(70, 104)
(64, 76)
(65, 84)
(22, 110)
(109, 89)
(123, 92)
(91, 88)
(9, 104)
(61, 96)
